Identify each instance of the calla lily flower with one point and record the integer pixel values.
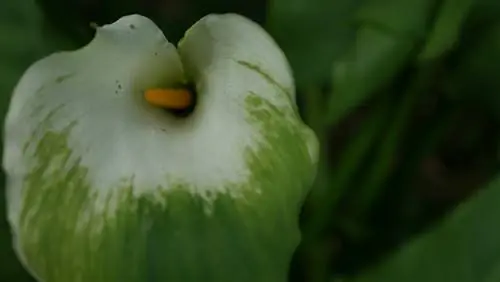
(132, 160)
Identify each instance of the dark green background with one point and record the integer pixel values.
(404, 96)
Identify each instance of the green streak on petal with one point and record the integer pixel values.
(186, 239)
(64, 77)
(57, 80)
(266, 76)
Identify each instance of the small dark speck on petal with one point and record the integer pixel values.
(132, 26)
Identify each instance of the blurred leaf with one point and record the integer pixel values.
(388, 15)
(384, 43)
(373, 182)
(333, 184)
(376, 57)
(312, 34)
(485, 11)
(447, 28)
(476, 76)
(464, 248)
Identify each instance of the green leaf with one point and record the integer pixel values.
(476, 76)
(372, 185)
(374, 60)
(392, 15)
(447, 28)
(464, 248)
(384, 43)
(312, 33)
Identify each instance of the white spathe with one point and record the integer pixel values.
(118, 135)
(97, 91)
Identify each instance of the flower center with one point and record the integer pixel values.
(173, 99)
(178, 101)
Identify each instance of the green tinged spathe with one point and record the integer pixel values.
(103, 187)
